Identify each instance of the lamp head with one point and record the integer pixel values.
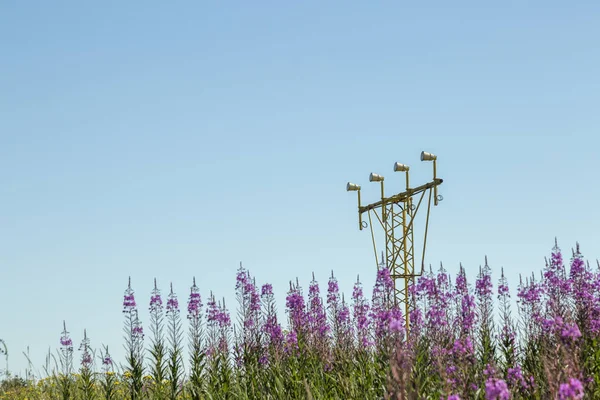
(352, 187)
(428, 156)
(375, 177)
(401, 167)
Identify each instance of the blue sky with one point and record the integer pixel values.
(147, 139)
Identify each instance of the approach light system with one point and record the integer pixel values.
(375, 177)
(401, 167)
(352, 187)
(396, 215)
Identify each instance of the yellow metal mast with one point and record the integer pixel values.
(396, 216)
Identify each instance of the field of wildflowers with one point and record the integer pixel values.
(464, 343)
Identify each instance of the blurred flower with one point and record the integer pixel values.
(570, 332)
(573, 390)
(496, 389)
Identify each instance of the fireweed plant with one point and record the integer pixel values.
(65, 380)
(134, 345)
(175, 350)
(87, 379)
(108, 379)
(195, 345)
(464, 342)
(157, 350)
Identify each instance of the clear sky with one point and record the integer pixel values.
(176, 139)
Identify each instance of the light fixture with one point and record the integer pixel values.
(401, 167)
(398, 167)
(352, 187)
(425, 156)
(375, 177)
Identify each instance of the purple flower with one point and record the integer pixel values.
(463, 347)
(138, 331)
(155, 299)
(224, 318)
(467, 314)
(570, 332)
(496, 389)
(571, 391)
(291, 342)
(66, 352)
(503, 290)
(556, 284)
(397, 324)
(263, 360)
(172, 302)
(317, 319)
(86, 357)
(249, 307)
(219, 324)
(107, 361)
(271, 327)
(65, 339)
(128, 301)
(515, 378)
(194, 303)
(267, 289)
(333, 290)
(383, 309)
(383, 291)
(172, 305)
(212, 311)
(361, 315)
(129, 304)
(453, 397)
(295, 308)
(483, 284)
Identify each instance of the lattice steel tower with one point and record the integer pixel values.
(396, 216)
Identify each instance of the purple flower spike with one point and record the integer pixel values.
(129, 304)
(267, 289)
(172, 302)
(360, 308)
(295, 308)
(194, 303)
(66, 351)
(65, 339)
(138, 332)
(496, 389)
(570, 332)
(291, 342)
(155, 300)
(86, 357)
(317, 320)
(571, 391)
